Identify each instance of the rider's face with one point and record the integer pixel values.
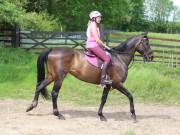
(98, 19)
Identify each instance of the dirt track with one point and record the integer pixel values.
(152, 119)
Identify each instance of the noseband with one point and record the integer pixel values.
(147, 54)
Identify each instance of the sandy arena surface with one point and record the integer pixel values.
(153, 119)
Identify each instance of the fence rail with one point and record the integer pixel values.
(10, 35)
(43, 39)
(164, 53)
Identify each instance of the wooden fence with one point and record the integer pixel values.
(32, 39)
(42, 39)
(163, 53)
(9, 35)
(39, 39)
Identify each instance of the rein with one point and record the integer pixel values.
(117, 52)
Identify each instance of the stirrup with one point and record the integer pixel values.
(106, 82)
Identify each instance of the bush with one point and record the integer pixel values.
(13, 15)
(34, 21)
(9, 13)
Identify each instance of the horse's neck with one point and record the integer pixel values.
(127, 57)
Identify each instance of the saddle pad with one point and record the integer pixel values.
(93, 59)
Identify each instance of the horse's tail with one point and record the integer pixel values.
(41, 61)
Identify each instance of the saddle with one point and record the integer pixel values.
(93, 59)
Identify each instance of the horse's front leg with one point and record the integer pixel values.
(123, 90)
(103, 101)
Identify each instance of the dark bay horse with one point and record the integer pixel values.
(61, 61)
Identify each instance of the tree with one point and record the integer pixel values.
(116, 14)
(12, 12)
(158, 12)
(9, 13)
(73, 15)
(137, 12)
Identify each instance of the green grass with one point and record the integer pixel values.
(147, 82)
(155, 83)
(17, 69)
(129, 132)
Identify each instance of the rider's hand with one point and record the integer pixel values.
(103, 45)
(107, 47)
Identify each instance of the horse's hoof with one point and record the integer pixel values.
(102, 118)
(29, 108)
(60, 116)
(133, 116)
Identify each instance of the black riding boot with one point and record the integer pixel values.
(104, 79)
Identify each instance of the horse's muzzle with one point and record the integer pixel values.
(148, 56)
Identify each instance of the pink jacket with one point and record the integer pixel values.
(91, 42)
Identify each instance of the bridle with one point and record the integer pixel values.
(146, 54)
(118, 52)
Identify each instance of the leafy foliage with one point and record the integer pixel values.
(72, 15)
(13, 13)
(36, 21)
(9, 13)
(158, 14)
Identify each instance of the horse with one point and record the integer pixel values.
(61, 61)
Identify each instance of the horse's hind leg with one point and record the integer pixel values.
(103, 101)
(56, 88)
(39, 87)
(123, 90)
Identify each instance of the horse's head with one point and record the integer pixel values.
(143, 47)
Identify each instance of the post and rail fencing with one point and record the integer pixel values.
(29, 40)
(9, 36)
(165, 50)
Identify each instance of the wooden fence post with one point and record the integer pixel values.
(107, 38)
(15, 37)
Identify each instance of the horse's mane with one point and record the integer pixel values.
(124, 45)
